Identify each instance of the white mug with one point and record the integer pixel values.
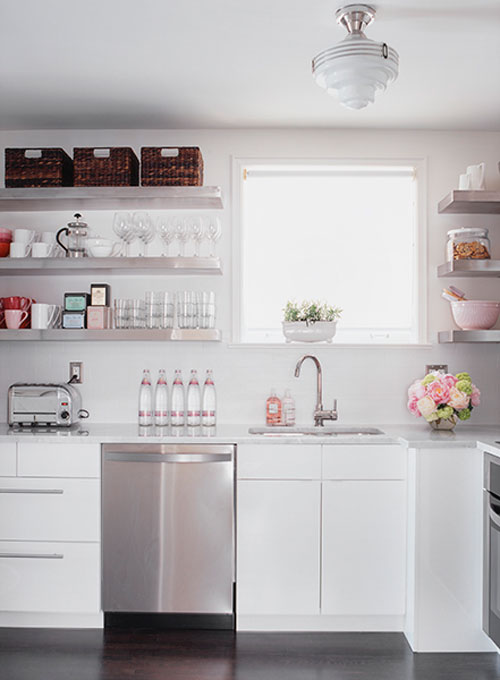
(48, 237)
(42, 250)
(44, 315)
(476, 174)
(14, 318)
(464, 181)
(24, 236)
(18, 249)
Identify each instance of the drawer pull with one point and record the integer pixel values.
(42, 491)
(33, 556)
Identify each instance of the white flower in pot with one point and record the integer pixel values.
(310, 321)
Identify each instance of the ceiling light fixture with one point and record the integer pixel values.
(357, 67)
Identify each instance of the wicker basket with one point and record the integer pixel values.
(117, 166)
(38, 168)
(171, 166)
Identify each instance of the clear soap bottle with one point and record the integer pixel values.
(288, 409)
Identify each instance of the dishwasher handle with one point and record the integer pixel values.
(168, 457)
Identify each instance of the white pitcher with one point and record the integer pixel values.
(476, 174)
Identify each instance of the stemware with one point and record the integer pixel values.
(196, 232)
(166, 229)
(213, 232)
(144, 230)
(123, 228)
(181, 234)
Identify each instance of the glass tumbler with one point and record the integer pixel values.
(120, 313)
(167, 311)
(137, 313)
(186, 309)
(155, 301)
(206, 309)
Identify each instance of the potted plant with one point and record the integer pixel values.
(441, 398)
(310, 321)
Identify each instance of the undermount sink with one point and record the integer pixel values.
(352, 430)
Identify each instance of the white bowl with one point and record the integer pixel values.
(93, 241)
(100, 251)
(299, 331)
(472, 315)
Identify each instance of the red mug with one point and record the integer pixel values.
(16, 302)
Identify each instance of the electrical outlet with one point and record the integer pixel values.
(76, 372)
(430, 368)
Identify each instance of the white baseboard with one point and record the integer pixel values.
(320, 623)
(50, 620)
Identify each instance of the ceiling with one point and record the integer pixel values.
(227, 63)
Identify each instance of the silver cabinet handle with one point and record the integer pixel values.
(42, 491)
(33, 556)
(169, 457)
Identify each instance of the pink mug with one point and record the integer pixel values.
(14, 318)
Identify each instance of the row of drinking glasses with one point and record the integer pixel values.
(181, 228)
(161, 309)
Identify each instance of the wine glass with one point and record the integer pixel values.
(144, 230)
(196, 233)
(123, 228)
(213, 232)
(181, 232)
(166, 229)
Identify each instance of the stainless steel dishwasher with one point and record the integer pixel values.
(168, 529)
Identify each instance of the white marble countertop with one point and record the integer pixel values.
(486, 437)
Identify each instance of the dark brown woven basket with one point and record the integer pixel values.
(116, 166)
(171, 166)
(38, 168)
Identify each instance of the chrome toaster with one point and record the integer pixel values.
(44, 404)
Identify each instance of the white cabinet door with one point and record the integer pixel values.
(364, 548)
(65, 459)
(279, 461)
(49, 509)
(8, 464)
(278, 547)
(50, 577)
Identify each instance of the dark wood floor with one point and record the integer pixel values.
(34, 654)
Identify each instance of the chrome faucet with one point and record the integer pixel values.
(320, 415)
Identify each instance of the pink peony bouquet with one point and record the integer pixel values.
(443, 396)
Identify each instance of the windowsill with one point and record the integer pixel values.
(326, 345)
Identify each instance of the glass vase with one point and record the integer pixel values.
(444, 423)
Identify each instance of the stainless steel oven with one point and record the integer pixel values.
(491, 582)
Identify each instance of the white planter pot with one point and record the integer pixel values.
(299, 331)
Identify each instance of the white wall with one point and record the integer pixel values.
(370, 384)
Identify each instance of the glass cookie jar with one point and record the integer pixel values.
(468, 243)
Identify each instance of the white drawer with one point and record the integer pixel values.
(50, 577)
(365, 461)
(50, 509)
(8, 459)
(279, 461)
(58, 460)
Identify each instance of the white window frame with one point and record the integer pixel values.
(238, 165)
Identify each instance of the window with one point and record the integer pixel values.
(342, 233)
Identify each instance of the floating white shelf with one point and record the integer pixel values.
(469, 336)
(32, 266)
(109, 198)
(470, 268)
(463, 202)
(142, 334)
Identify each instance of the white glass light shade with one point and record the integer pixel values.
(356, 68)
